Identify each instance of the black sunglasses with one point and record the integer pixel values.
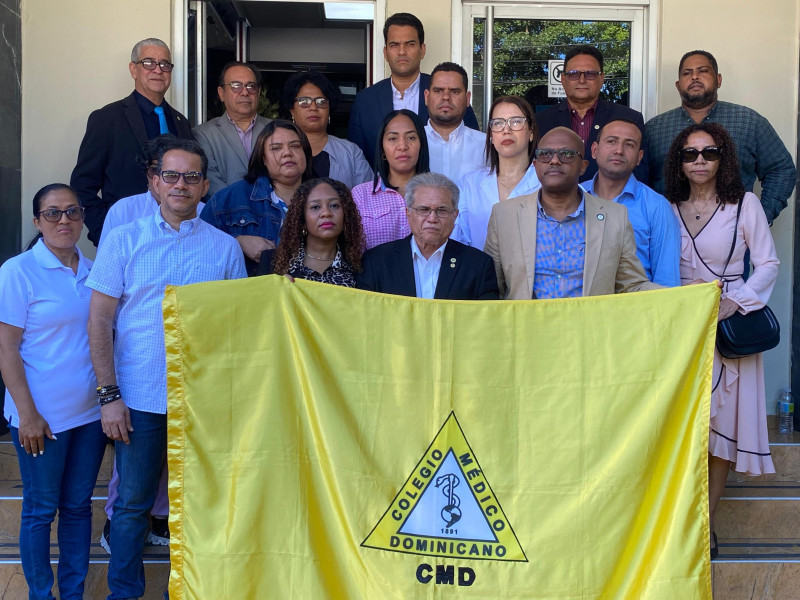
(689, 155)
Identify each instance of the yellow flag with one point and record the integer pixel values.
(333, 443)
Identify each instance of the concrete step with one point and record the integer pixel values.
(755, 580)
(13, 586)
(759, 509)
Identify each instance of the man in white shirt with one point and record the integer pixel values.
(427, 263)
(126, 339)
(454, 149)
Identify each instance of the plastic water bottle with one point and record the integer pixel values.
(785, 411)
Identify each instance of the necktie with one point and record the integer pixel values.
(162, 119)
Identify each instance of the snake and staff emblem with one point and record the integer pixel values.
(451, 513)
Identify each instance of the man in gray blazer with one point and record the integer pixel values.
(228, 140)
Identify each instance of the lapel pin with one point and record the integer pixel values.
(597, 126)
(452, 265)
(600, 217)
(452, 260)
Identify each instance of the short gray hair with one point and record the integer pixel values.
(137, 49)
(431, 180)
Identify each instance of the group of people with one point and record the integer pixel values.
(418, 201)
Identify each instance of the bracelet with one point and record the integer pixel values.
(109, 399)
(105, 390)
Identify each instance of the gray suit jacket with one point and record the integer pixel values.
(610, 264)
(227, 160)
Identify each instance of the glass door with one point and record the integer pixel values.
(520, 49)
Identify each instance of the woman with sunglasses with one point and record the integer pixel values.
(511, 138)
(401, 151)
(719, 222)
(50, 400)
(309, 98)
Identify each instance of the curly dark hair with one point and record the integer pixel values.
(351, 241)
(729, 182)
(298, 80)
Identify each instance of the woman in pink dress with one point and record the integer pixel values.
(703, 184)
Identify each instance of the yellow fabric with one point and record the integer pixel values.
(301, 414)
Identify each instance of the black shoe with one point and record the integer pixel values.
(105, 537)
(715, 547)
(159, 532)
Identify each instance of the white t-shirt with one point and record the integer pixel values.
(51, 305)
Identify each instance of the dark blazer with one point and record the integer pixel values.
(558, 116)
(466, 273)
(371, 106)
(107, 159)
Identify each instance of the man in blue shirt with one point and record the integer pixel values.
(618, 150)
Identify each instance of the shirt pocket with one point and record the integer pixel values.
(375, 212)
(240, 222)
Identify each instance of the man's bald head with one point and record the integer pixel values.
(561, 133)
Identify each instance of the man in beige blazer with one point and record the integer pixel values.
(600, 237)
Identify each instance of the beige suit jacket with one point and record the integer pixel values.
(610, 263)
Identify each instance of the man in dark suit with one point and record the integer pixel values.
(404, 49)
(228, 140)
(583, 111)
(115, 134)
(427, 264)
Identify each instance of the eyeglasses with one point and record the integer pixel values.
(190, 177)
(53, 215)
(305, 101)
(545, 155)
(576, 75)
(425, 211)
(514, 124)
(150, 64)
(710, 153)
(238, 86)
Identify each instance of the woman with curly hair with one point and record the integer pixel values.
(719, 223)
(322, 239)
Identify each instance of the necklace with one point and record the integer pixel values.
(320, 259)
(515, 179)
(697, 211)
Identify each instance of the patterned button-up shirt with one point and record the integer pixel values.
(560, 247)
(383, 213)
(339, 272)
(761, 152)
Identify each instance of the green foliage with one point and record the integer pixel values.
(266, 107)
(522, 48)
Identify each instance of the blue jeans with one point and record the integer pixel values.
(139, 465)
(61, 480)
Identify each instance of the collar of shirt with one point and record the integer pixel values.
(412, 89)
(187, 227)
(455, 135)
(416, 253)
(629, 189)
(47, 260)
(145, 104)
(571, 217)
(589, 112)
(239, 129)
(706, 118)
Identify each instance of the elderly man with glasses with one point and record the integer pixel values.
(561, 242)
(583, 111)
(107, 167)
(126, 338)
(427, 263)
(228, 140)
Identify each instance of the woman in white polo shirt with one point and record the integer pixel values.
(50, 401)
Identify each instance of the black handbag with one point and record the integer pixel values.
(743, 335)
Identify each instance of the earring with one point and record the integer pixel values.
(329, 119)
(305, 233)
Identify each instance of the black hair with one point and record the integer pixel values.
(584, 49)
(404, 20)
(620, 120)
(298, 80)
(189, 146)
(381, 165)
(238, 63)
(451, 67)
(153, 148)
(52, 187)
(256, 168)
(492, 157)
(708, 55)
